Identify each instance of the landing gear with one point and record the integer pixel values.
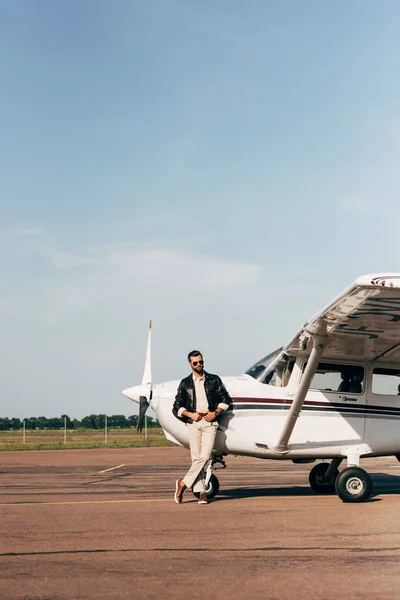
(211, 481)
(212, 488)
(353, 485)
(322, 478)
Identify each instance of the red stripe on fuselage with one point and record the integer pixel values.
(288, 402)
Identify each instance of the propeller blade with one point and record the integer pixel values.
(147, 365)
(143, 406)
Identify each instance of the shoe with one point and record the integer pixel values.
(203, 498)
(180, 487)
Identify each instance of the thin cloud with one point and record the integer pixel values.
(67, 260)
(175, 268)
(357, 206)
(28, 231)
(154, 265)
(100, 278)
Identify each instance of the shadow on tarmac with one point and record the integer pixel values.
(383, 484)
(241, 492)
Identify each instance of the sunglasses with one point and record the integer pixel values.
(197, 362)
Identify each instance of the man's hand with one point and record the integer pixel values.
(196, 417)
(210, 416)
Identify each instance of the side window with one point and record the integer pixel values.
(386, 381)
(338, 378)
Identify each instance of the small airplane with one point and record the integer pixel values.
(331, 393)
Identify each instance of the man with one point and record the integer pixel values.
(200, 400)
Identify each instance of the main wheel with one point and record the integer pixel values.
(317, 479)
(353, 485)
(211, 488)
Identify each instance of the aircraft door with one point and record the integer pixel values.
(334, 408)
(382, 431)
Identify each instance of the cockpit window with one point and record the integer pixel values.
(278, 374)
(259, 368)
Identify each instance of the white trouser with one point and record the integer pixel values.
(201, 440)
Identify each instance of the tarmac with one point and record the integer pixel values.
(103, 524)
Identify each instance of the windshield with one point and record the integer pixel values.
(260, 369)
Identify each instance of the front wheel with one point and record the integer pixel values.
(212, 488)
(353, 485)
(317, 479)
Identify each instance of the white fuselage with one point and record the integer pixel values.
(329, 424)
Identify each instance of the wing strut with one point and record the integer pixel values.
(319, 345)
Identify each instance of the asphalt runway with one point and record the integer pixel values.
(100, 524)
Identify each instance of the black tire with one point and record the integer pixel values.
(211, 489)
(317, 480)
(353, 485)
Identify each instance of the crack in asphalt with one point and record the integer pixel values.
(262, 549)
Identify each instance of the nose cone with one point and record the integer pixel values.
(134, 393)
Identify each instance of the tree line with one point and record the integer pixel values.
(89, 422)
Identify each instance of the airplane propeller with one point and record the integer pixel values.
(143, 406)
(146, 386)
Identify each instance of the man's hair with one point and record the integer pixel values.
(194, 353)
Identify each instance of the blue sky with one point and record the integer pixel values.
(224, 168)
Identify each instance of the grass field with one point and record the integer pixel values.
(81, 438)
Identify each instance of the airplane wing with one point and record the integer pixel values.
(362, 323)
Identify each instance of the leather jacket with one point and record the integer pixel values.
(186, 395)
